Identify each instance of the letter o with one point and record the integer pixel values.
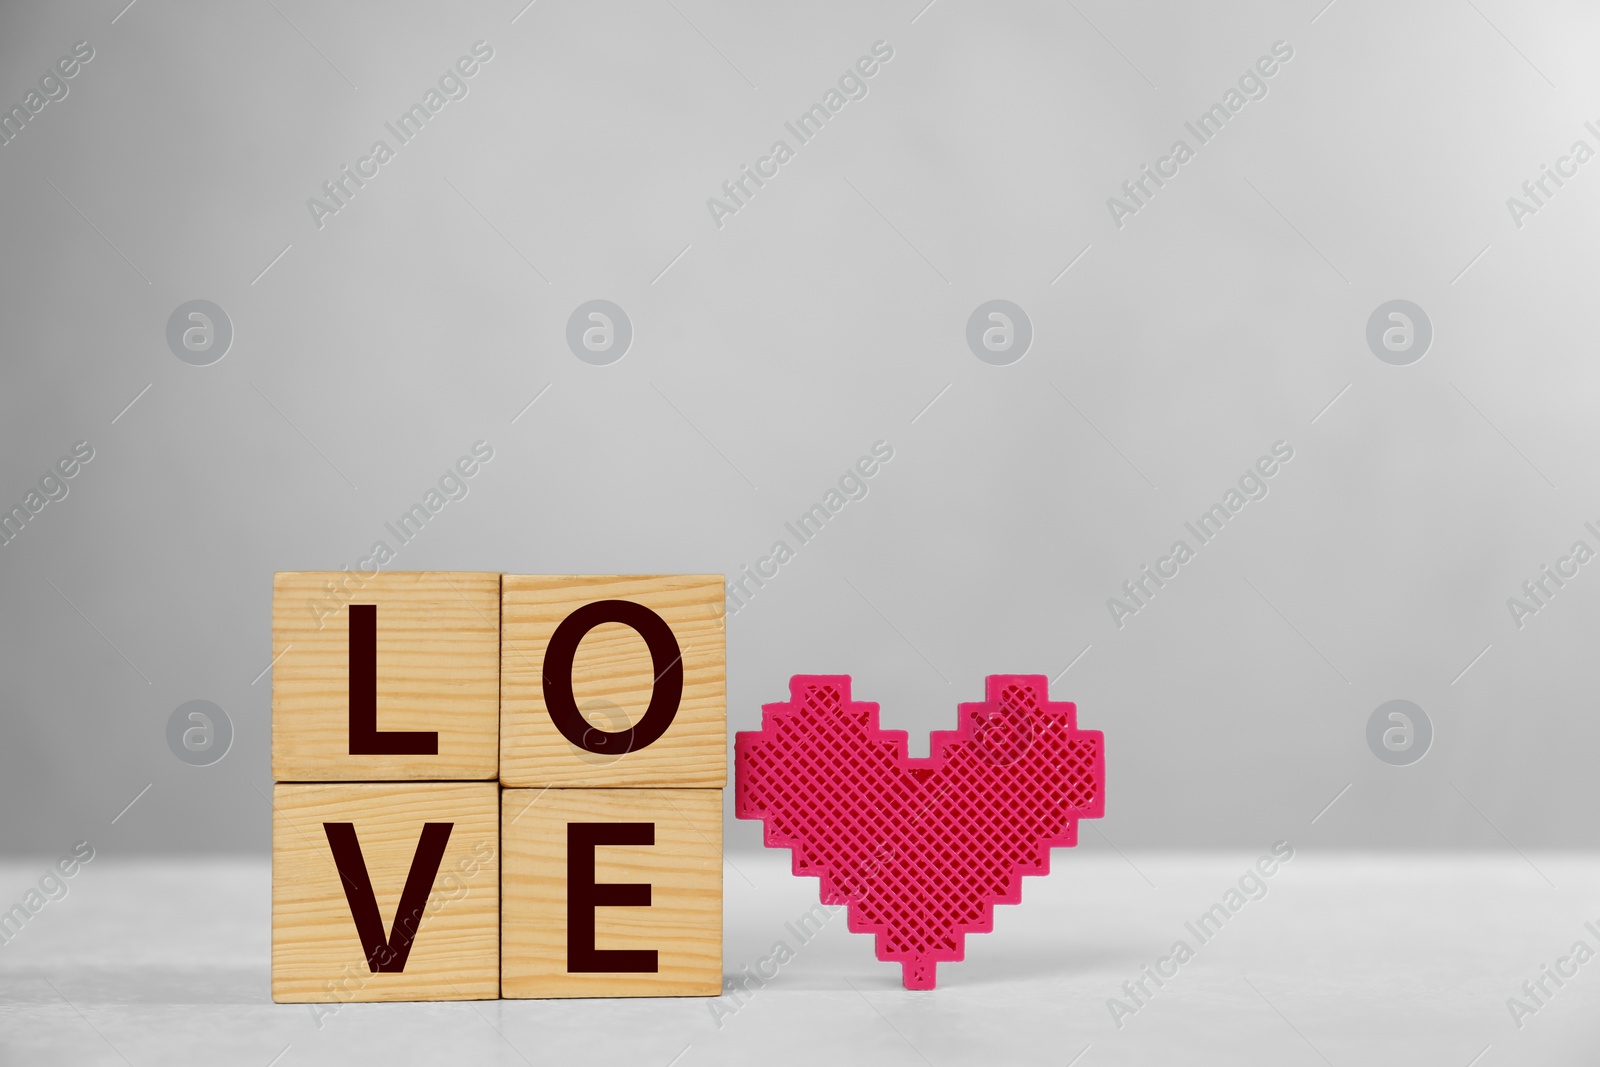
(666, 660)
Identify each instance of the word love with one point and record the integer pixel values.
(497, 786)
(920, 849)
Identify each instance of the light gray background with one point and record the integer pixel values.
(771, 353)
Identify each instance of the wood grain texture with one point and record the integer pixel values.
(612, 680)
(438, 669)
(317, 956)
(683, 923)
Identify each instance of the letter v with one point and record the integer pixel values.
(387, 955)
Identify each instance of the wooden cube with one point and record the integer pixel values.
(613, 681)
(385, 677)
(611, 892)
(385, 892)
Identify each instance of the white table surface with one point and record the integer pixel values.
(1349, 959)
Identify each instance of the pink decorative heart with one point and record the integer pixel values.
(920, 849)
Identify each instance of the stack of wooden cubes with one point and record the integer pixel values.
(496, 786)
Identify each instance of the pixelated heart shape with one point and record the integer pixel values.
(920, 849)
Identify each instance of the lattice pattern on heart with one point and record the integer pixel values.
(920, 849)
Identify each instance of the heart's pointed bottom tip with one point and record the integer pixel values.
(919, 975)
